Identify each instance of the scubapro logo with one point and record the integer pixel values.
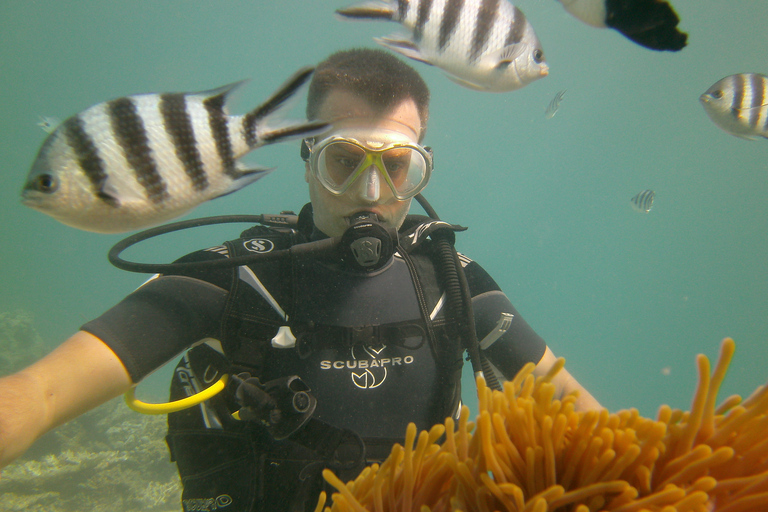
(367, 372)
(259, 245)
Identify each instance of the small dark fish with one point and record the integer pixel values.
(738, 104)
(554, 105)
(48, 124)
(643, 201)
(649, 23)
(140, 160)
(480, 44)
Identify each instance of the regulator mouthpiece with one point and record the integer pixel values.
(367, 245)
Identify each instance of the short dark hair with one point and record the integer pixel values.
(378, 77)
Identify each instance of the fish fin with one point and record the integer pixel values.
(404, 47)
(283, 97)
(294, 131)
(466, 83)
(649, 23)
(375, 10)
(117, 193)
(222, 92)
(505, 56)
(759, 107)
(245, 178)
(590, 12)
(264, 124)
(741, 113)
(108, 198)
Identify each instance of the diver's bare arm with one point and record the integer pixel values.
(76, 377)
(565, 383)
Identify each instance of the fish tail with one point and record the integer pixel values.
(649, 23)
(375, 10)
(256, 123)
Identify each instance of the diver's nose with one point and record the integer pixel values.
(370, 182)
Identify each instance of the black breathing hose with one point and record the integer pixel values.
(279, 220)
(460, 301)
(460, 304)
(427, 207)
(168, 268)
(488, 374)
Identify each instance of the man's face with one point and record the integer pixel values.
(347, 111)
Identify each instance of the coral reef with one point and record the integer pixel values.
(106, 460)
(529, 452)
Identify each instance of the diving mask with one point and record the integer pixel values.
(340, 159)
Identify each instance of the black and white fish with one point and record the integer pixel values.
(486, 45)
(137, 161)
(649, 23)
(643, 201)
(739, 105)
(554, 105)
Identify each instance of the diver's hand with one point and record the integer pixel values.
(255, 403)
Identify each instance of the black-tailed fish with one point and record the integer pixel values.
(649, 23)
(643, 201)
(739, 105)
(137, 161)
(554, 105)
(486, 45)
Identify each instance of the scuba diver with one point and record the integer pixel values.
(328, 351)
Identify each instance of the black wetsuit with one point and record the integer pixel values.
(377, 349)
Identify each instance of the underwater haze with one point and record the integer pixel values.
(628, 298)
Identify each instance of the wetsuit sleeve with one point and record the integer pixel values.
(158, 321)
(510, 343)
(162, 318)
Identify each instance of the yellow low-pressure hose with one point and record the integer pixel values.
(177, 405)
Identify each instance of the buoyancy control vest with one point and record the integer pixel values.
(377, 350)
(354, 332)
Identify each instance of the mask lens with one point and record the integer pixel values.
(406, 168)
(340, 162)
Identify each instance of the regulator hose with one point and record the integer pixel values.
(177, 405)
(460, 303)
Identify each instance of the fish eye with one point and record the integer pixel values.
(538, 56)
(717, 94)
(46, 183)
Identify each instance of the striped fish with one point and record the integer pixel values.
(137, 161)
(643, 201)
(739, 105)
(486, 45)
(649, 23)
(554, 105)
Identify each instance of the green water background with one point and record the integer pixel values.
(628, 299)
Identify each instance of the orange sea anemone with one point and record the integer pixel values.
(530, 452)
